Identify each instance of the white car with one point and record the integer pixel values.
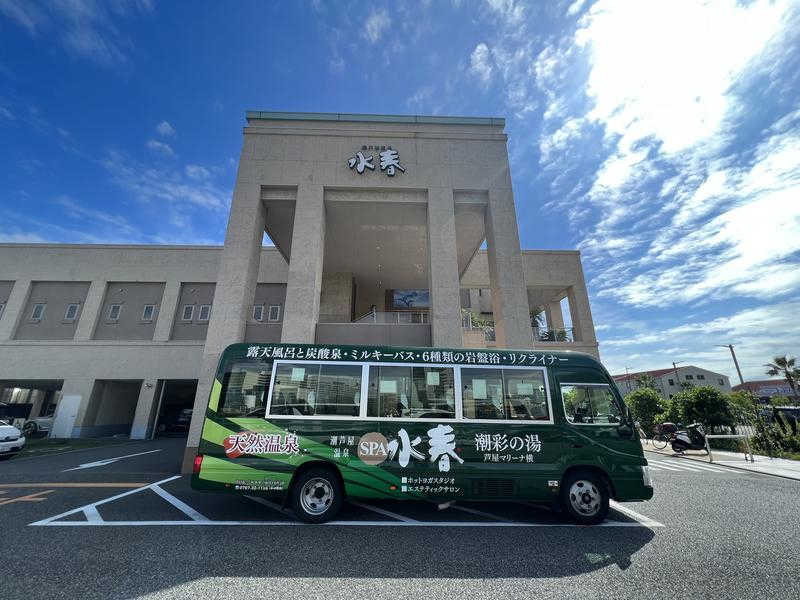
(11, 440)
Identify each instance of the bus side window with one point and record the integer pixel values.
(312, 389)
(413, 392)
(243, 390)
(590, 404)
(504, 394)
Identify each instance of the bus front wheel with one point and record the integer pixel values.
(316, 495)
(584, 497)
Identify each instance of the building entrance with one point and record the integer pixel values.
(175, 408)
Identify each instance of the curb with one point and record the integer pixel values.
(746, 470)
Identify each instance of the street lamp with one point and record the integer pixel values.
(735, 362)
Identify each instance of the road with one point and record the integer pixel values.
(105, 531)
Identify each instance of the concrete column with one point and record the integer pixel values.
(443, 282)
(233, 296)
(506, 273)
(82, 387)
(555, 320)
(474, 300)
(90, 311)
(14, 307)
(144, 409)
(167, 310)
(581, 313)
(304, 281)
(36, 399)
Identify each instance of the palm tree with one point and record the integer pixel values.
(784, 366)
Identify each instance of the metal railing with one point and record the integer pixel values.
(543, 334)
(395, 317)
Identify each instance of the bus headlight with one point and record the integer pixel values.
(646, 477)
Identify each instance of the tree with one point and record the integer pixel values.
(779, 401)
(743, 406)
(784, 366)
(646, 405)
(646, 381)
(707, 405)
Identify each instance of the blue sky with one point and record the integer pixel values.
(662, 139)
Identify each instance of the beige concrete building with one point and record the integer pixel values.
(670, 381)
(378, 224)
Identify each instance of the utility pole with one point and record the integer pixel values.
(675, 368)
(735, 362)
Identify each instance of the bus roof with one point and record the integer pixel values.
(412, 354)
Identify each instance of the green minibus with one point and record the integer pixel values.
(315, 424)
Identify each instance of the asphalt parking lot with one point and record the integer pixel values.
(119, 522)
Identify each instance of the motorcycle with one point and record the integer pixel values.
(694, 438)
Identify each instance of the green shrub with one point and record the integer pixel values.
(646, 405)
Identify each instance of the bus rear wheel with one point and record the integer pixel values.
(585, 497)
(316, 495)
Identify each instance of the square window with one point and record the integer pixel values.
(689, 377)
(721, 381)
(148, 312)
(38, 312)
(188, 312)
(671, 381)
(258, 312)
(591, 404)
(114, 311)
(275, 313)
(701, 376)
(205, 312)
(71, 312)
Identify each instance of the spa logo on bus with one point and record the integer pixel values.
(373, 448)
(252, 442)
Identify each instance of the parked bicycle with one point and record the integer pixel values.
(664, 433)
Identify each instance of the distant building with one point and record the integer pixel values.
(671, 381)
(765, 389)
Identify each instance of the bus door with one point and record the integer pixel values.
(595, 414)
(510, 444)
(417, 408)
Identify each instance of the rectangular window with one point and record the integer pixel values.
(38, 312)
(671, 381)
(243, 387)
(590, 404)
(148, 311)
(309, 389)
(411, 392)
(689, 377)
(258, 312)
(275, 313)
(701, 376)
(205, 312)
(720, 380)
(113, 312)
(188, 312)
(71, 312)
(2, 308)
(507, 394)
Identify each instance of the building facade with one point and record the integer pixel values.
(378, 224)
(766, 389)
(671, 381)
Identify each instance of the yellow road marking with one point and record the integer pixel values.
(72, 485)
(29, 498)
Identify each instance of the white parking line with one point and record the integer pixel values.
(94, 519)
(383, 511)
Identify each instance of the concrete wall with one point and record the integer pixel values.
(336, 297)
(56, 296)
(111, 409)
(194, 295)
(132, 297)
(374, 334)
(267, 294)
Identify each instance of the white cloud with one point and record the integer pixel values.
(165, 129)
(86, 215)
(160, 147)
(20, 237)
(197, 172)
(575, 7)
(375, 25)
(480, 63)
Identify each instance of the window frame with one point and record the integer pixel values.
(2, 309)
(619, 402)
(259, 319)
(111, 309)
(150, 319)
(183, 313)
(72, 319)
(269, 313)
(200, 318)
(457, 393)
(33, 316)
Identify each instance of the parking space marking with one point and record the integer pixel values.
(107, 461)
(384, 512)
(94, 519)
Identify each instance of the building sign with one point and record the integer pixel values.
(364, 159)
